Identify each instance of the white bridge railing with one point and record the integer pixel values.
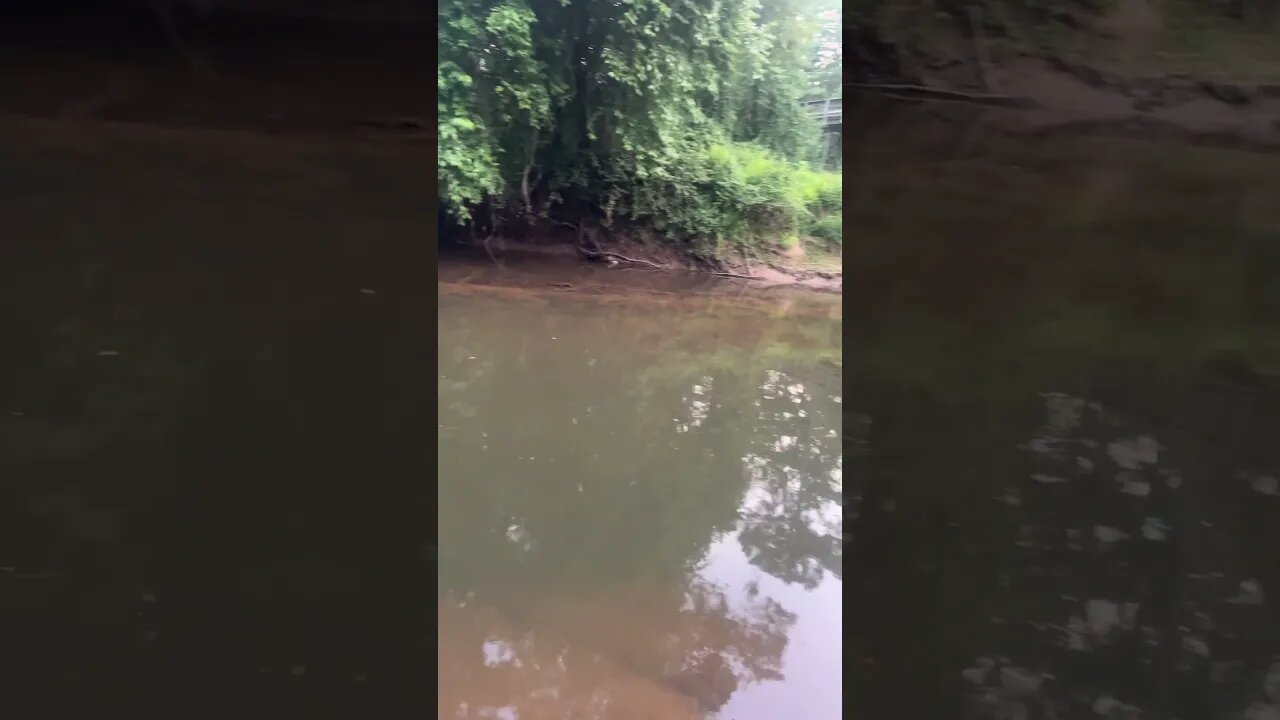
(829, 111)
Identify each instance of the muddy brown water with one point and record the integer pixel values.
(216, 484)
(1063, 401)
(640, 497)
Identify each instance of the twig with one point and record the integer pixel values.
(524, 177)
(623, 258)
(404, 123)
(924, 91)
(734, 275)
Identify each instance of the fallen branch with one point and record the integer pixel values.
(404, 123)
(907, 91)
(624, 258)
(734, 275)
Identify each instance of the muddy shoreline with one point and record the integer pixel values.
(1041, 94)
(560, 268)
(621, 256)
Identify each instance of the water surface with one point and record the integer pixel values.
(640, 503)
(215, 480)
(1064, 403)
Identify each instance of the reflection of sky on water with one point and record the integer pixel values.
(648, 529)
(811, 662)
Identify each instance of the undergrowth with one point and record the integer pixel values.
(739, 198)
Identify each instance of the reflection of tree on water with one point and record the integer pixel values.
(87, 406)
(791, 515)
(998, 557)
(1046, 556)
(625, 652)
(1121, 594)
(179, 498)
(579, 497)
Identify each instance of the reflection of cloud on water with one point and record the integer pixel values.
(812, 660)
(699, 407)
(498, 652)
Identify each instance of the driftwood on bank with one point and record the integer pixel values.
(924, 92)
(593, 255)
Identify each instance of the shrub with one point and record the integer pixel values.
(821, 192)
(729, 196)
(828, 229)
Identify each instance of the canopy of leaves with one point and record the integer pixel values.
(616, 110)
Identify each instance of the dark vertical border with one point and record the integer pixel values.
(196, 534)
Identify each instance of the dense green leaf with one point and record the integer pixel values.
(681, 114)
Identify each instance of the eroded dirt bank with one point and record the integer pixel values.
(1182, 73)
(657, 265)
(560, 267)
(1043, 95)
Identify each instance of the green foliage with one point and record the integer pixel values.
(734, 196)
(465, 165)
(683, 114)
(823, 196)
(828, 229)
(822, 192)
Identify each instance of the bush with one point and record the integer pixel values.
(821, 192)
(831, 198)
(730, 197)
(828, 229)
